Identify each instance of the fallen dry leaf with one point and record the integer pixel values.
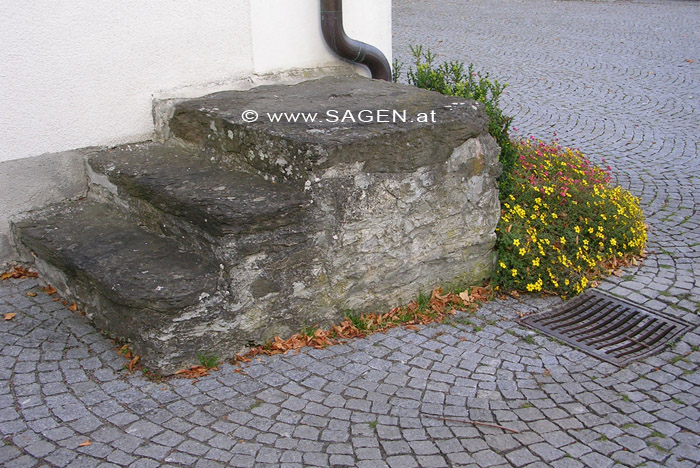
(10, 316)
(31, 294)
(125, 351)
(464, 295)
(85, 444)
(48, 289)
(411, 327)
(133, 362)
(73, 307)
(690, 60)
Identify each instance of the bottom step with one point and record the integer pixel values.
(133, 284)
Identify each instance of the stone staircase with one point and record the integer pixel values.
(232, 232)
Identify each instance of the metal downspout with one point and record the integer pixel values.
(347, 48)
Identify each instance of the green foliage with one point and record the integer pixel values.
(396, 70)
(208, 361)
(422, 301)
(357, 320)
(451, 78)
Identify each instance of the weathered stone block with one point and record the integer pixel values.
(286, 225)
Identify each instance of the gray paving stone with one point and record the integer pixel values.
(488, 458)
(521, 457)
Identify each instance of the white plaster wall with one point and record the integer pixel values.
(75, 73)
(287, 33)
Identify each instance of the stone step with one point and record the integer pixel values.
(190, 188)
(135, 285)
(298, 151)
(235, 232)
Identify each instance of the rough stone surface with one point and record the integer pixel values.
(190, 187)
(293, 149)
(132, 283)
(364, 231)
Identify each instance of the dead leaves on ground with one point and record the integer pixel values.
(10, 315)
(440, 306)
(18, 272)
(194, 372)
(615, 265)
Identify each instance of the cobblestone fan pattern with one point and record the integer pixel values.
(609, 77)
(373, 402)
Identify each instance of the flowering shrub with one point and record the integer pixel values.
(564, 223)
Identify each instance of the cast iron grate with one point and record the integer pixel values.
(608, 328)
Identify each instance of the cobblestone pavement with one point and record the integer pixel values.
(611, 78)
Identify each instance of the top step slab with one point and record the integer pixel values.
(357, 120)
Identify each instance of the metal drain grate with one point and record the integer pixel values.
(608, 328)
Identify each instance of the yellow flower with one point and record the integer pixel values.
(522, 252)
(578, 230)
(514, 272)
(502, 265)
(562, 239)
(516, 242)
(536, 262)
